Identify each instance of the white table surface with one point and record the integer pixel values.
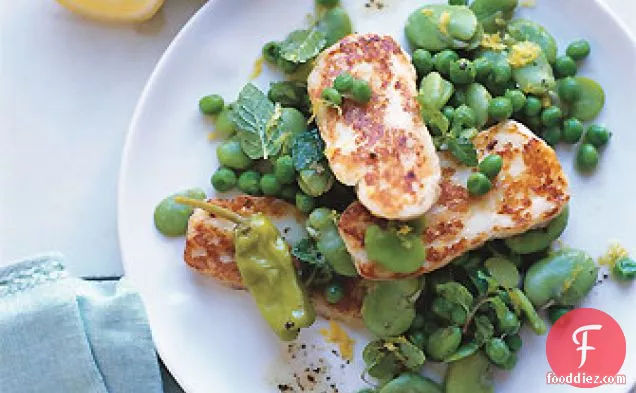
(68, 88)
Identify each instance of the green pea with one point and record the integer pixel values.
(223, 124)
(462, 72)
(418, 339)
(411, 383)
(331, 245)
(211, 105)
(423, 29)
(270, 185)
(361, 91)
(470, 375)
(287, 66)
(334, 292)
(336, 24)
(597, 135)
(572, 130)
(478, 99)
(328, 3)
(443, 342)
(552, 135)
(483, 68)
(331, 95)
(500, 108)
(501, 73)
(170, 217)
(497, 351)
(534, 123)
(563, 278)
(443, 60)
(478, 184)
(565, 66)
(304, 202)
(271, 52)
(250, 183)
(493, 15)
(231, 155)
(284, 170)
(539, 239)
(569, 89)
(578, 50)
(587, 157)
(590, 102)
(422, 61)
(448, 112)
(491, 165)
(389, 308)
(514, 342)
(533, 106)
(343, 82)
(517, 98)
(551, 116)
(625, 269)
(464, 116)
(320, 219)
(288, 192)
(224, 179)
(556, 312)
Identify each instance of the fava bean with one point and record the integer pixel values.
(493, 14)
(478, 99)
(314, 182)
(535, 77)
(335, 23)
(520, 300)
(527, 30)
(539, 239)
(503, 271)
(443, 342)
(223, 125)
(230, 154)
(423, 29)
(590, 102)
(171, 218)
(435, 91)
(389, 308)
(497, 351)
(411, 383)
(562, 278)
(470, 375)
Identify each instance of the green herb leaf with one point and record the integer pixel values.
(256, 119)
(484, 330)
(301, 46)
(456, 293)
(315, 269)
(307, 149)
(435, 119)
(463, 150)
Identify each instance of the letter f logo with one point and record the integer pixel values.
(584, 347)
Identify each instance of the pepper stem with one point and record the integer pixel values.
(211, 208)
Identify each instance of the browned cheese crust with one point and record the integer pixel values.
(382, 147)
(530, 190)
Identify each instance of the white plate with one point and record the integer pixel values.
(212, 338)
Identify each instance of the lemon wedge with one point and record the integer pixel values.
(114, 10)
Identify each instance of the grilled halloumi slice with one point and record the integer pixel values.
(210, 250)
(530, 190)
(382, 147)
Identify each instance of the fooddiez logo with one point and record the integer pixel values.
(586, 348)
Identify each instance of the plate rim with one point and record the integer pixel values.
(137, 114)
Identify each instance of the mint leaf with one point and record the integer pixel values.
(314, 269)
(456, 293)
(463, 150)
(300, 46)
(307, 149)
(256, 119)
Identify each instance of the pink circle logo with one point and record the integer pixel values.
(586, 348)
